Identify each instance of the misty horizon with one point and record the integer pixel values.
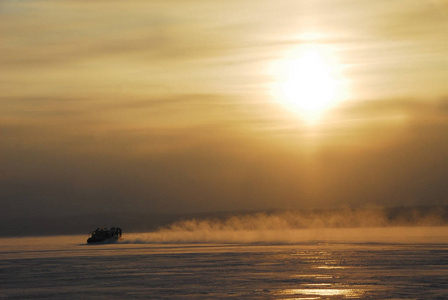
(277, 220)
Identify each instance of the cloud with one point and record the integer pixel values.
(88, 159)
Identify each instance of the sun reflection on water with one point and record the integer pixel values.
(330, 267)
(314, 276)
(324, 292)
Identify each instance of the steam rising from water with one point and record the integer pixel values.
(372, 226)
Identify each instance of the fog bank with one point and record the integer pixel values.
(400, 225)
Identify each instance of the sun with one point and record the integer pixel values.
(309, 81)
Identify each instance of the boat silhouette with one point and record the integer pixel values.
(105, 235)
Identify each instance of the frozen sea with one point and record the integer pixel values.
(375, 263)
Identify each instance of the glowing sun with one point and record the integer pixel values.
(309, 82)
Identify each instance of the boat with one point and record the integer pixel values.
(105, 235)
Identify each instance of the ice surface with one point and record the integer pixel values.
(396, 263)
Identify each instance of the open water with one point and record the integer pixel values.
(392, 263)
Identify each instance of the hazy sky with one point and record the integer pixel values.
(192, 106)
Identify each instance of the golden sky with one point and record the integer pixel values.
(171, 106)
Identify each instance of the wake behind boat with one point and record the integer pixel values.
(105, 235)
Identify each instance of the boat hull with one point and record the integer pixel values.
(102, 241)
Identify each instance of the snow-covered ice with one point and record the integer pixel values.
(386, 263)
